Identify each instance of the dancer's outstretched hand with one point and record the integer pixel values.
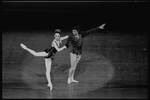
(102, 26)
(64, 47)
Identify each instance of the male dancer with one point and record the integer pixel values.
(76, 41)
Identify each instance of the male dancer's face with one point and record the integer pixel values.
(75, 32)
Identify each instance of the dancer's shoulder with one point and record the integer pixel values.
(53, 42)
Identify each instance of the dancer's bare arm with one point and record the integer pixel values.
(68, 42)
(64, 37)
(92, 30)
(57, 48)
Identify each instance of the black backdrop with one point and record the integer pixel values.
(64, 15)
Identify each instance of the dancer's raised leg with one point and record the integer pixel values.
(38, 54)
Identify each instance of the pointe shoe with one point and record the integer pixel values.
(69, 80)
(50, 85)
(23, 46)
(74, 81)
(51, 88)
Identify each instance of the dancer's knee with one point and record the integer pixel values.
(71, 69)
(47, 73)
(35, 54)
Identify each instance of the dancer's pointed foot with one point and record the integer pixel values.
(51, 87)
(23, 46)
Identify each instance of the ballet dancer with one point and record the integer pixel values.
(49, 53)
(76, 41)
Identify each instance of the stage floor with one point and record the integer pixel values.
(112, 66)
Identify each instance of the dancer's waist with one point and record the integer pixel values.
(76, 51)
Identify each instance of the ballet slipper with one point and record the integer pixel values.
(23, 46)
(74, 81)
(69, 80)
(50, 85)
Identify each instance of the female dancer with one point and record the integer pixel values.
(49, 54)
(76, 41)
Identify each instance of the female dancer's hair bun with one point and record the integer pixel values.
(57, 31)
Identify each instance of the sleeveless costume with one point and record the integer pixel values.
(51, 52)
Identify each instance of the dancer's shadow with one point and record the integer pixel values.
(81, 67)
(61, 69)
(64, 68)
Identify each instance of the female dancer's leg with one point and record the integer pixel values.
(37, 54)
(48, 62)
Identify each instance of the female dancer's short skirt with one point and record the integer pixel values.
(51, 52)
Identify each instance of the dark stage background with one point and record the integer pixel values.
(64, 15)
(114, 63)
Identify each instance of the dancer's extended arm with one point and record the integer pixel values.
(92, 30)
(64, 37)
(68, 42)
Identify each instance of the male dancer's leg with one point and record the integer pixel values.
(72, 69)
(78, 57)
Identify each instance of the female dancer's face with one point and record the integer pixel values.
(75, 32)
(57, 36)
